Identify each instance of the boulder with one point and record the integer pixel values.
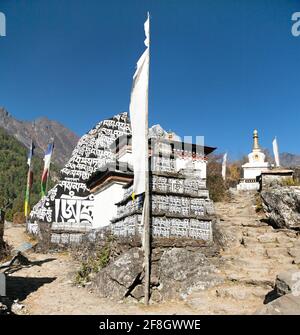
(118, 279)
(173, 275)
(282, 206)
(17, 308)
(182, 270)
(285, 296)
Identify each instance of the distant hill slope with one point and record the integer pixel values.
(41, 131)
(290, 160)
(13, 174)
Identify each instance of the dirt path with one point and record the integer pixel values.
(256, 253)
(47, 287)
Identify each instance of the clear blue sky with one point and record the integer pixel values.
(219, 68)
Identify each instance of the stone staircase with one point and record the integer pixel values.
(253, 254)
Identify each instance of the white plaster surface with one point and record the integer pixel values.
(104, 204)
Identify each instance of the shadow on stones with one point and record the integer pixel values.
(137, 281)
(20, 287)
(273, 295)
(275, 226)
(269, 222)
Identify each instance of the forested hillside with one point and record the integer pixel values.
(13, 176)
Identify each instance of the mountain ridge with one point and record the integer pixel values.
(290, 160)
(41, 130)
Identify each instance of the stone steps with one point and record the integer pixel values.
(255, 254)
(227, 299)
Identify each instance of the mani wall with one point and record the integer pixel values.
(180, 204)
(69, 204)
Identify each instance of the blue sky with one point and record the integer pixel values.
(219, 68)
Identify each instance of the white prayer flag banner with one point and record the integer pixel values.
(139, 117)
(276, 152)
(48, 154)
(224, 166)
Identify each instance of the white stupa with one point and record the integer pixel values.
(254, 167)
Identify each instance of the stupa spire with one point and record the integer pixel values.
(255, 140)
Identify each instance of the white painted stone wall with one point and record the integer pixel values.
(126, 158)
(104, 204)
(254, 171)
(247, 186)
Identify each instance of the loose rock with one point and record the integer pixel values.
(288, 282)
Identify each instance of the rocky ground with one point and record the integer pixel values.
(254, 254)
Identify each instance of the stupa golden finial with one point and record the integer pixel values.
(255, 140)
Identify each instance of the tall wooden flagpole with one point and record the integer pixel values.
(140, 149)
(29, 181)
(146, 216)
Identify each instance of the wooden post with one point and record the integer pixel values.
(146, 237)
(147, 246)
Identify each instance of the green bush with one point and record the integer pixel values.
(93, 265)
(216, 187)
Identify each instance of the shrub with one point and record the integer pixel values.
(289, 182)
(93, 265)
(216, 187)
